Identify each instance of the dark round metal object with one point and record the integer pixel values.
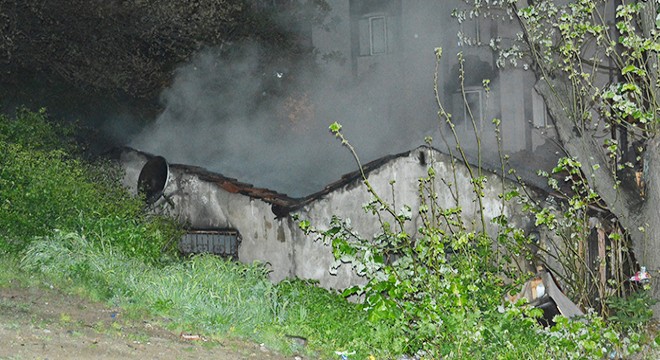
(153, 178)
(280, 211)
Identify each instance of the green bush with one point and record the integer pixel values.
(44, 187)
(633, 311)
(443, 289)
(33, 130)
(329, 322)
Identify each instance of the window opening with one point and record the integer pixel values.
(473, 103)
(539, 111)
(373, 35)
(378, 31)
(221, 242)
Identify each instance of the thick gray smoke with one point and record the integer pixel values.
(219, 115)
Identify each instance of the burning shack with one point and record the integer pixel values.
(232, 218)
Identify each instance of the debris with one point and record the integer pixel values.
(298, 340)
(344, 354)
(642, 276)
(544, 293)
(192, 337)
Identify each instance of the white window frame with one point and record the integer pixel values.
(370, 28)
(372, 47)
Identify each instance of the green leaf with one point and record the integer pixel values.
(629, 86)
(629, 68)
(332, 231)
(304, 225)
(335, 127)
(353, 290)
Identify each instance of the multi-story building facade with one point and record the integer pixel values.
(390, 46)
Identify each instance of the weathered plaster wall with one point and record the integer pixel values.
(201, 204)
(278, 241)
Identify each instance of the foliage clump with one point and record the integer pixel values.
(132, 47)
(44, 186)
(436, 295)
(595, 64)
(71, 224)
(443, 290)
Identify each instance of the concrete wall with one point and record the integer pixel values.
(278, 241)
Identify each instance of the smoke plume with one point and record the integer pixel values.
(225, 114)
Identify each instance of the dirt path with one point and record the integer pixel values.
(42, 323)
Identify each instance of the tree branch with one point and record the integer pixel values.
(579, 142)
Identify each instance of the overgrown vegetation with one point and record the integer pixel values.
(70, 224)
(443, 290)
(596, 68)
(44, 186)
(436, 295)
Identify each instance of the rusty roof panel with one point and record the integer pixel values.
(237, 187)
(282, 203)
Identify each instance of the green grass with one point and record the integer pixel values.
(69, 223)
(327, 320)
(210, 295)
(44, 187)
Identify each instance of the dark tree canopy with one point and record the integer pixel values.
(130, 47)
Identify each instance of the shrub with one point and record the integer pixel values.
(633, 311)
(44, 187)
(443, 291)
(32, 130)
(328, 321)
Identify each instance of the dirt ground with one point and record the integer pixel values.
(42, 323)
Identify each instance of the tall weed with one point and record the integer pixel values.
(204, 292)
(44, 187)
(210, 295)
(443, 289)
(328, 321)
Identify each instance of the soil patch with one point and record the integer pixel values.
(39, 322)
